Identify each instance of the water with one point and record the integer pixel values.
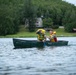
(34, 61)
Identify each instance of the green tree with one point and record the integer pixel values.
(9, 17)
(15, 12)
(69, 20)
(30, 14)
(47, 22)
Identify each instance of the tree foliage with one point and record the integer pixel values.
(61, 13)
(30, 14)
(9, 16)
(47, 22)
(15, 12)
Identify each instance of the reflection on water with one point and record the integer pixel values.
(38, 61)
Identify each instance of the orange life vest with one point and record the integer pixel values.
(53, 37)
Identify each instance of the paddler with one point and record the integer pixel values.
(52, 37)
(41, 35)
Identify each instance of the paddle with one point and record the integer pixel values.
(44, 43)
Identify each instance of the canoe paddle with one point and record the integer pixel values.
(44, 43)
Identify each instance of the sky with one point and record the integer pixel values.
(71, 1)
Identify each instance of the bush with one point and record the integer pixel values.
(69, 27)
(8, 26)
(55, 26)
(47, 22)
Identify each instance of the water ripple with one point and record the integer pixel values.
(37, 61)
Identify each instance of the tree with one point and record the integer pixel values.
(47, 22)
(69, 20)
(13, 12)
(9, 17)
(30, 14)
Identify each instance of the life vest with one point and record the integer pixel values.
(41, 30)
(53, 37)
(41, 37)
(41, 34)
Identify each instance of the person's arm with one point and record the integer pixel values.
(44, 38)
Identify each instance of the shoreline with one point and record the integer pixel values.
(32, 37)
(25, 34)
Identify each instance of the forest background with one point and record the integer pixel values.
(54, 13)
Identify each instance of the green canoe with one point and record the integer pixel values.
(19, 43)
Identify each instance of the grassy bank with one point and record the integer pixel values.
(24, 33)
(61, 32)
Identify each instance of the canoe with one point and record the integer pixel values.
(19, 43)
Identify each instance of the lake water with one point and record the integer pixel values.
(34, 61)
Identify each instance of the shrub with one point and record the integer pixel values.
(47, 22)
(55, 26)
(69, 27)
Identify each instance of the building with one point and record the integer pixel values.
(38, 23)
